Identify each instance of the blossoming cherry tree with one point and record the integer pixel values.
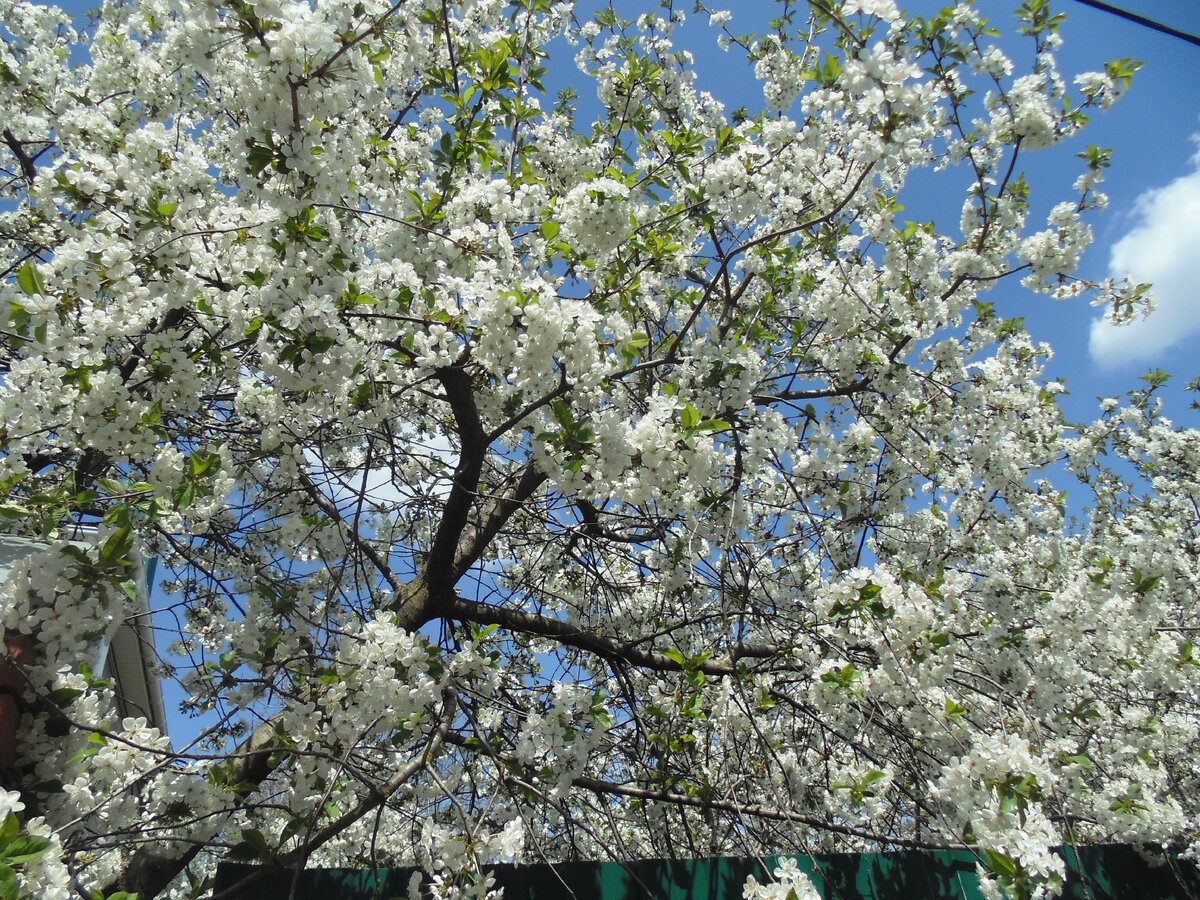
(552, 475)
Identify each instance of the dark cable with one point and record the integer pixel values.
(1142, 20)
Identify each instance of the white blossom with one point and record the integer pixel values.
(533, 475)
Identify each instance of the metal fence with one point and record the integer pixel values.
(1106, 872)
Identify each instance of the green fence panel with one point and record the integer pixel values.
(1106, 872)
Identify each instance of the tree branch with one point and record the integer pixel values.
(844, 390)
(149, 871)
(741, 810)
(28, 170)
(574, 635)
(753, 810)
(378, 795)
(475, 539)
(424, 599)
(377, 559)
(473, 443)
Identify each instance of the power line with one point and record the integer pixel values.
(1142, 20)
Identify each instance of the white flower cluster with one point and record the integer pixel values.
(46, 877)
(1026, 112)
(1004, 780)
(1099, 87)
(506, 464)
(790, 884)
(719, 18)
(734, 184)
(1055, 250)
(596, 217)
(59, 597)
(554, 741)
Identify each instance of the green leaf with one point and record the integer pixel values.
(562, 412)
(203, 463)
(111, 486)
(13, 511)
(690, 417)
(64, 696)
(8, 883)
(184, 495)
(675, 656)
(9, 830)
(117, 547)
(24, 849)
(30, 279)
(1156, 378)
(841, 678)
(550, 230)
(1144, 584)
(255, 839)
(1001, 864)
(1080, 759)
(258, 157)
(1009, 803)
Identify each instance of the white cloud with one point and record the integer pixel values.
(1162, 248)
(431, 462)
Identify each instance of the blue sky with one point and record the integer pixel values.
(1151, 229)
(1152, 226)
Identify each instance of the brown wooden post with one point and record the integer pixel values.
(19, 653)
